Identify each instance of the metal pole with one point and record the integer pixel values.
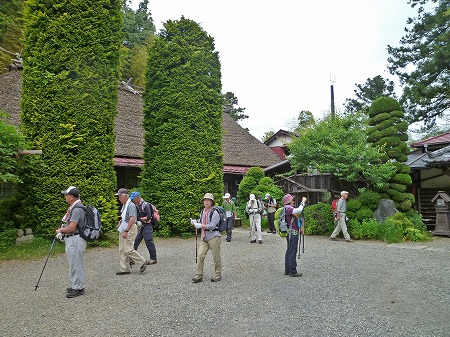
(51, 248)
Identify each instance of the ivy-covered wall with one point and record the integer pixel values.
(69, 99)
(182, 122)
(388, 130)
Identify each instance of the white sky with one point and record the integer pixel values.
(277, 55)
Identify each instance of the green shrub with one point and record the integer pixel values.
(401, 178)
(383, 104)
(9, 211)
(391, 231)
(368, 229)
(369, 199)
(353, 206)
(318, 219)
(364, 214)
(414, 234)
(7, 239)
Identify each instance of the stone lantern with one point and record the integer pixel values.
(441, 200)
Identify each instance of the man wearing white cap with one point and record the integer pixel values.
(254, 210)
(341, 209)
(230, 210)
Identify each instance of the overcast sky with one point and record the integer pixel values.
(277, 56)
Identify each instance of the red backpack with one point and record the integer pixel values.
(334, 205)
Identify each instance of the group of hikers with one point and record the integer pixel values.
(137, 219)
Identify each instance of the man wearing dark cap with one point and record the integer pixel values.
(145, 216)
(75, 245)
(127, 234)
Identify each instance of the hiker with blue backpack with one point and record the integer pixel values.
(295, 227)
(208, 224)
(75, 244)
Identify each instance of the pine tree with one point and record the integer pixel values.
(388, 130)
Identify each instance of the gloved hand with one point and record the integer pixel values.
(196, 223)
(59, 236)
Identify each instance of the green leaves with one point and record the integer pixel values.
(182, 122)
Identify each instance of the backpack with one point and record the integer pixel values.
(281, 225)
(154, 213)
(92, 225)
(334, 205)
(223, 224)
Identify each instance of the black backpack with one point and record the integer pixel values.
(92, 224)
(223, 224)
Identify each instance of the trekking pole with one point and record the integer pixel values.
(196, 246)
(303, 250)
(299, 244)
(51, 248)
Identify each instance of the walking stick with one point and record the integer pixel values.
(303, 250)
(51, 248)
(299, 244)
(196, 247)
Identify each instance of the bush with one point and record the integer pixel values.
(368, 229)
(391, 231)
(364, 214)
(9, 207)
(318, 219)
(353, 206)
(369, 199)
(7, 239)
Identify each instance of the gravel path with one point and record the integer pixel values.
(363, 288)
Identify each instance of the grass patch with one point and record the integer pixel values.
(36, 248)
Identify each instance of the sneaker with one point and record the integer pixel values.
(216, 279)
(122, 272)
(286, 272)
(332, 238)
(349, 240)
(197, 279)
(252, 241)
(132, 263)
(269, 232)
(274, 232)
(151, 261)
(228, 240)
(69, 290)
(259, 241)
(295, 274)
(74, 293)
(143, 267)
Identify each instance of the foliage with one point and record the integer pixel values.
(305, 120)
(366, 93)
(369, 199)
(367, 229)
(266, 136)
(11, 35)
(391, 139)
(318, 219)
(267, 185)
(69, 102)
(422, 62)
(138, 34)
(10, 142)
(7, 239)
(9, 210)
(338, 145)
(230, 105)
(182, 122)
(246, 186)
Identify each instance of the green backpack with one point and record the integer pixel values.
(280, 222)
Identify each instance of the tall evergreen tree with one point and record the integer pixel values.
(422, 62)
(69, 102)
(182, 122)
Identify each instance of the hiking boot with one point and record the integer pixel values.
(74, 293)
(274, 232)
(197, 279)
(259, 241)
(216, 279)
(349, 240)
(269, 232)
(143, 267)
(332, 238)
(252, 241)
(295, 274)
(151, 261)
(228, 240)
(286, 272)
(122, 272)
(69, 290)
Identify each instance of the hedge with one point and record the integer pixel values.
(182, 122)
(69, 102)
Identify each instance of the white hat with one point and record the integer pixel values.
(252, 197)
(344, 192)
(267, 195)
(227, 196)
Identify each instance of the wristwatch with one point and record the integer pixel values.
(126, 230)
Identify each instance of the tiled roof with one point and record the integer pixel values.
(129, 162)
(436, 140)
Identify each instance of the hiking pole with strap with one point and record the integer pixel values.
(51, 248)
(299, 238)
(303, 236)
(196, 246)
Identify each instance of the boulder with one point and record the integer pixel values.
(386, 208)
(20, 233)
(28, 231)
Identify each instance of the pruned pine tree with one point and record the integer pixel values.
(182, 122)
(388, 131)
(69, 102)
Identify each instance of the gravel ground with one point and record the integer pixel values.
(363, 288)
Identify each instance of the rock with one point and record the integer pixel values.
(386, 208)
(28, 231)
(20, 233)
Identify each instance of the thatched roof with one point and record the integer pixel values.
(239, 147)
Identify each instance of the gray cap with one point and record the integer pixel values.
(122, 191)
